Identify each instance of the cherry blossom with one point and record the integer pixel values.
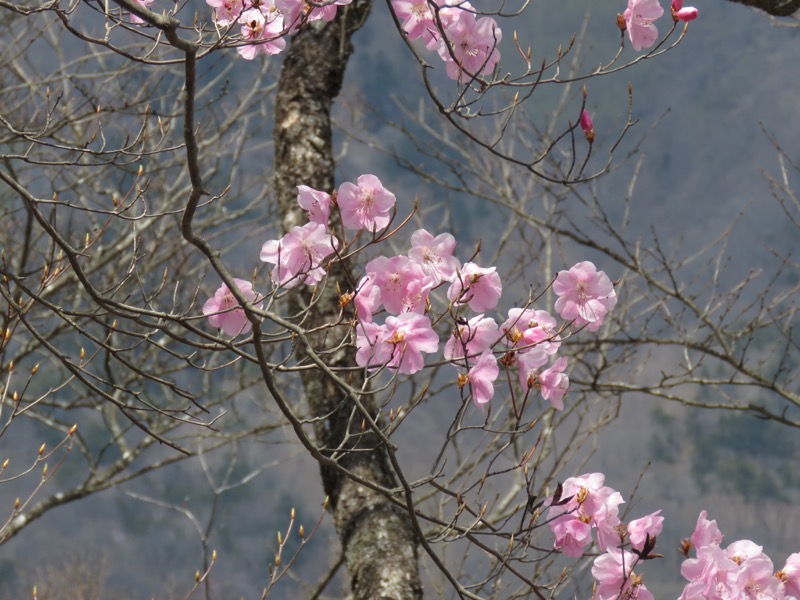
(227, 12)
(403, 284)
(473, 43)
(299, 254)
(434, 254)
(478, 287)
(639, 529)
(572, 536)
(705, 532)
(554, 383)
(639, 17)
(585, 295)
(528, 327)
(481, 378)
(529, 363)
(317, 203)
(790, 575)
(264, 33)
(399, 343)
(224, 311)
(366, 205)
(471, 338)
(615, 577)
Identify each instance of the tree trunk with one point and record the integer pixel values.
(380, 548)
(777, 8)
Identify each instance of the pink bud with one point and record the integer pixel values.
(687, 14)
(587, 125)
(677, 5)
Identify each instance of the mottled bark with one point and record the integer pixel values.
(777, 8)
(379, 545)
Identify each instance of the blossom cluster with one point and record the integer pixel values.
(393, 299)
(741, 570)
(584, 505)
(465, 42)
(638, 20)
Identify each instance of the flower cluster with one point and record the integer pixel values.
(266, 23)
(392, 300)
(638, 20)
(465, 42)
(583, 505)
(741, 570)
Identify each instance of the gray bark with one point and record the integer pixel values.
(380, 547)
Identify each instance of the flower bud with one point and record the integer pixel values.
(677, 5)
(587, 126)
(686, 14)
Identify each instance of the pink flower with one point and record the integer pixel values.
(571, 535)
(587, 125)
(686, 14)
(708, 574)
(585, 295)
(554, 383)
(434, 254)
(529, 363)
(317, 203)
(677, 5)
(478, 287)
(473, 42)
(481, 378)
(224, 311)
(299, 254)
(399, 343)
(639, 18)
(402, 282)
(367, 205)
(227, 11)
(417, 18)
(528, 327)
(639, 529)
(368, 298)
(615, 577)
(472, 338)
(706, 532)
(790, 575)
(265, 35)
(144, 4)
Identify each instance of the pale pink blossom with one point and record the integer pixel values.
(471, 338)
(615, 577)
(144, 4)
(478, 287)
(227, 12)
(585, 295)
(399, 343)
(416, 17)
(264, 34)
(481, 378)
(224, 311)
(572, 535)
(527, 328)
(366, 205)
(705, 532)
(403, 284)
(639, 529)
(790, 575)
(592, 503)
(317, 203)
(299, 254)
(529, 363)
(434, 254)
(639, 18)
(708, 574)
(368, 298)
(554, 383)
(473, 42)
